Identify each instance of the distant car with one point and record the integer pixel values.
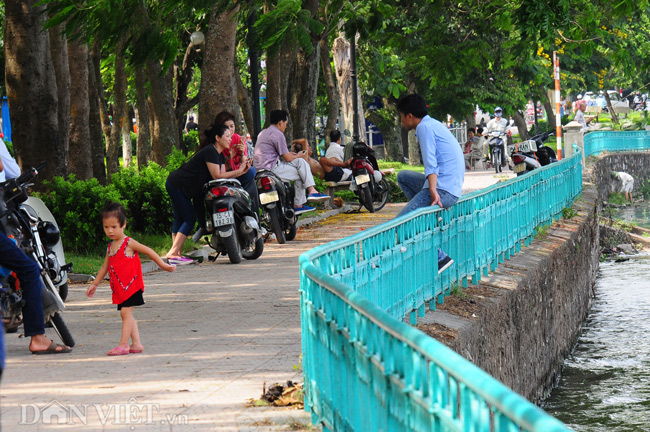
(615, 99)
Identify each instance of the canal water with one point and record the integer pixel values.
(605, 382)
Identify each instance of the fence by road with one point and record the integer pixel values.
(611, 141)
(364, 368)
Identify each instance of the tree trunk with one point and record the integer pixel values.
(31, 89)
(59, 53)
(98, 149)
(218, 89)
(304, 89)
(164, 134)
(522, 127)
(391, 131)
(415, 154)
(610, 108)
(278, 68)
(183, 77)
(143, 152)
(245, 104)
(343, 65)
(103, 104)
(550, 117)
(333, 96)
(80, 149)
(127, 148)
(119, 112)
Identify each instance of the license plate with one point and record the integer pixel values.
(519, 168)
(223, 218)
(269, 197)
(361, 179)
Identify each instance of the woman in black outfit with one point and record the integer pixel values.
(186, 184)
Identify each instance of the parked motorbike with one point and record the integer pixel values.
(276, 203)
(531, 154)
(370, 184)
(497, 143)
(40, 240)
(230, 220)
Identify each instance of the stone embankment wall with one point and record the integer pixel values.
(520, 322)
(635, 164)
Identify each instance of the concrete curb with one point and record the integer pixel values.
(205, 251)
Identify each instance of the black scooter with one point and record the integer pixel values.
(231, 222)
(276, 203)
(372, 194)
(531, 154)
(38, 239)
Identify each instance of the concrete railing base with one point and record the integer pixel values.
(520, 322)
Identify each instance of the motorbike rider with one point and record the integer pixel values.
(272, 153)
(29, 275)
(498, 123)
(335, 168)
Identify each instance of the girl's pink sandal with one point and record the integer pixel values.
(118, 350)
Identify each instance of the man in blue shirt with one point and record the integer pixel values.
(444, 165)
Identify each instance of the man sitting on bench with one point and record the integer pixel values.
(335, 169)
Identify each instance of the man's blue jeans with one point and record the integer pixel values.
(29, 275)
(416, 188)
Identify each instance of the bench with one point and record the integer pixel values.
(593, 111)
(331, 187)
(622, 110)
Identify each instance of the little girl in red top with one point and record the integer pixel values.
(122, 263)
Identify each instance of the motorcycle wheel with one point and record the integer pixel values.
(291, 232)
(381, 195)
(62, 329)
(367, 199)
(276, 225)
(233, 248)
(255, 251)
(63, 291)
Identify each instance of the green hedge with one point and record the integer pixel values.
(77, 204)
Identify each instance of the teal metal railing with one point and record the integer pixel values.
(611, 141)
(364, 368)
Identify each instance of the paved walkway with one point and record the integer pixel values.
(214, 334)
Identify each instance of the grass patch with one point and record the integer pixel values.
(457, 291)
(541, 231)
(568, 213)
(399, 166)
(617, 198)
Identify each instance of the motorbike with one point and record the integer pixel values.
(370, 185)
(230, 220)
(276, 204)
(21, 219)
(531, 154)
(496, 142)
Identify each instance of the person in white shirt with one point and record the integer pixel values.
(580, 115)
(334, 167)
(627, 183)
(498, 123)
(12, 170)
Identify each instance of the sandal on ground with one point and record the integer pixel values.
(118, 350)
(53, 349)
(134, 351)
